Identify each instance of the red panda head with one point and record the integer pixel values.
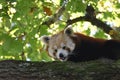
(60, 45)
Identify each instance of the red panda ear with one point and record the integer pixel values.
(45, 39)
(68, 30)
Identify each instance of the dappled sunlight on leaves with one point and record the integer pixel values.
(21, 24)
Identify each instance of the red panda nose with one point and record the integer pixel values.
(61, 55)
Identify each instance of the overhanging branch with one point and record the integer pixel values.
(94, 21)
(90, 16)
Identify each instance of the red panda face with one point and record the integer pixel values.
(59, 46)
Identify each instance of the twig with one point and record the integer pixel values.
(57, 15)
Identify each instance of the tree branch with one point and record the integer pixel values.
(93, 70)
(106, 28)
(57, 15)
(91, 17)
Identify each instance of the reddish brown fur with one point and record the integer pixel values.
(89, 48)
(87, 39)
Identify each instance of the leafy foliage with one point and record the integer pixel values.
(21, 24)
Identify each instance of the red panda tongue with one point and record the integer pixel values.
(63, 58)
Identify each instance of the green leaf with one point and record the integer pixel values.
(12, 45)
(76, 6)
(88, 31)
(100, 34)
(108, 15)
(43, 30)
(44, 56)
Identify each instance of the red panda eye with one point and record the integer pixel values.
(55, 50)
(64, 47)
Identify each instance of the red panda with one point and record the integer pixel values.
(69, 46)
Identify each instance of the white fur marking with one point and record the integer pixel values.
(57, 42)
(50, 51)
(70, 44)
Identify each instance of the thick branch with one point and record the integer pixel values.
(93, 70)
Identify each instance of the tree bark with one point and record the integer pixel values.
(92, 70)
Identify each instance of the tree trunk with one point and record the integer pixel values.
(92, 70)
